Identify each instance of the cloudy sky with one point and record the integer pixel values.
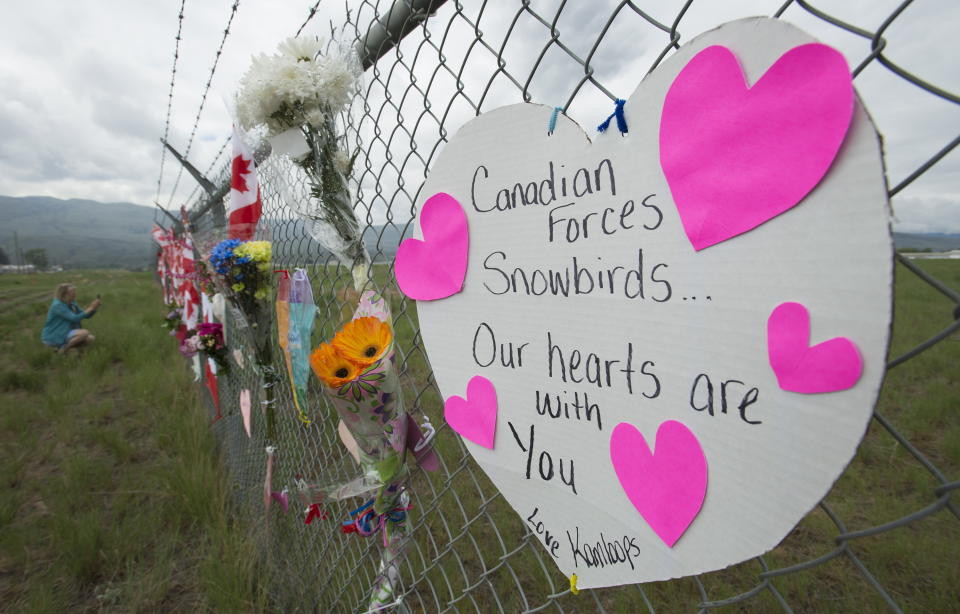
(86, 83)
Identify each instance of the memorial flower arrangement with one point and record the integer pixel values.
(358, 371)
(243, 270)
(173, 319)
(208, 340)
(244, 267)
(302, 89)
(204, 278)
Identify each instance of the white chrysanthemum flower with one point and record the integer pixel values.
(283, 90)
(338, 75)
(315, 116)
(341, 161)
(304, 49)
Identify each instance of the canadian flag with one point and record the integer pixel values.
(187, 289)
(245, 204)
(210, 366)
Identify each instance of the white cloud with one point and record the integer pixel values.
(86, 86)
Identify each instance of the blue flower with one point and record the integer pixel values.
(221, 257)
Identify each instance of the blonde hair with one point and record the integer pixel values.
(62, 291)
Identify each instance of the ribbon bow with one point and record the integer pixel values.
(365, 521)
(313, 512)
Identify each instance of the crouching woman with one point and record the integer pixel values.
(62, 328)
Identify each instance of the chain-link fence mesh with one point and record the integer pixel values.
(470, 552)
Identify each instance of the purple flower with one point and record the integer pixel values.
(190, 346)
(210, 328)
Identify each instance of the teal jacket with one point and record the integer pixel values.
(61, 319)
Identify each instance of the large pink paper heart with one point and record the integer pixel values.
(435, 267)
(826, 367)
(475, 417)
(667, 486)
(736, 156)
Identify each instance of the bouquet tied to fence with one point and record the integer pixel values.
(243, 270)
(301, 89)
(208, 340)
(204, 278)
(359, 375)
(173, 319)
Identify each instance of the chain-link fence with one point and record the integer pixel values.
(862, 549)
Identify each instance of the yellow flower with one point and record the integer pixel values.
(332, 368)
(363, 341)
(260, 294)
(257, 251)
(237, 287)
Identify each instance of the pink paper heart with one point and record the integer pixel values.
(245, 409)
(435, 267)
(282, 498)
(474, 418)
(830, 366)
(734, 156)
(667, 486)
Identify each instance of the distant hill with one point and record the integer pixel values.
(78, 233)
(89, 234)
(937, 242)
(293, 245)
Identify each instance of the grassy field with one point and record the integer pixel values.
(115, 500)
(112, 496)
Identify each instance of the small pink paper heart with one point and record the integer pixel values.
(667, 486)
(245, 409)
(736, 156)
(830, 366)
(282, 498)
(474, 418)
(435, 267)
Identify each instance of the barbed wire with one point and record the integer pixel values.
(203, 98)
(210, 167)
(173, 77)
(310, 14)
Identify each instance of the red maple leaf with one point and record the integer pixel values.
(240, 167)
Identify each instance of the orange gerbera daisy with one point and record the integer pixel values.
(363, 341)
(332, 368)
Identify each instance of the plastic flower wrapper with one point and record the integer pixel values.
(301, 88)
(295, 313)
(242, 273)
(360, 380)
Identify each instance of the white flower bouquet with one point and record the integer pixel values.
(302, 89)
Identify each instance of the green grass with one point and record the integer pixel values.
(113, 496)
(115, 499)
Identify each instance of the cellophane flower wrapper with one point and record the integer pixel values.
(371, 406)
(295, 314)
(242, 273)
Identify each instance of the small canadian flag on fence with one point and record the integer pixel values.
(245, 203)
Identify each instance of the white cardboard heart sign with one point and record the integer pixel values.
(671, 393)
